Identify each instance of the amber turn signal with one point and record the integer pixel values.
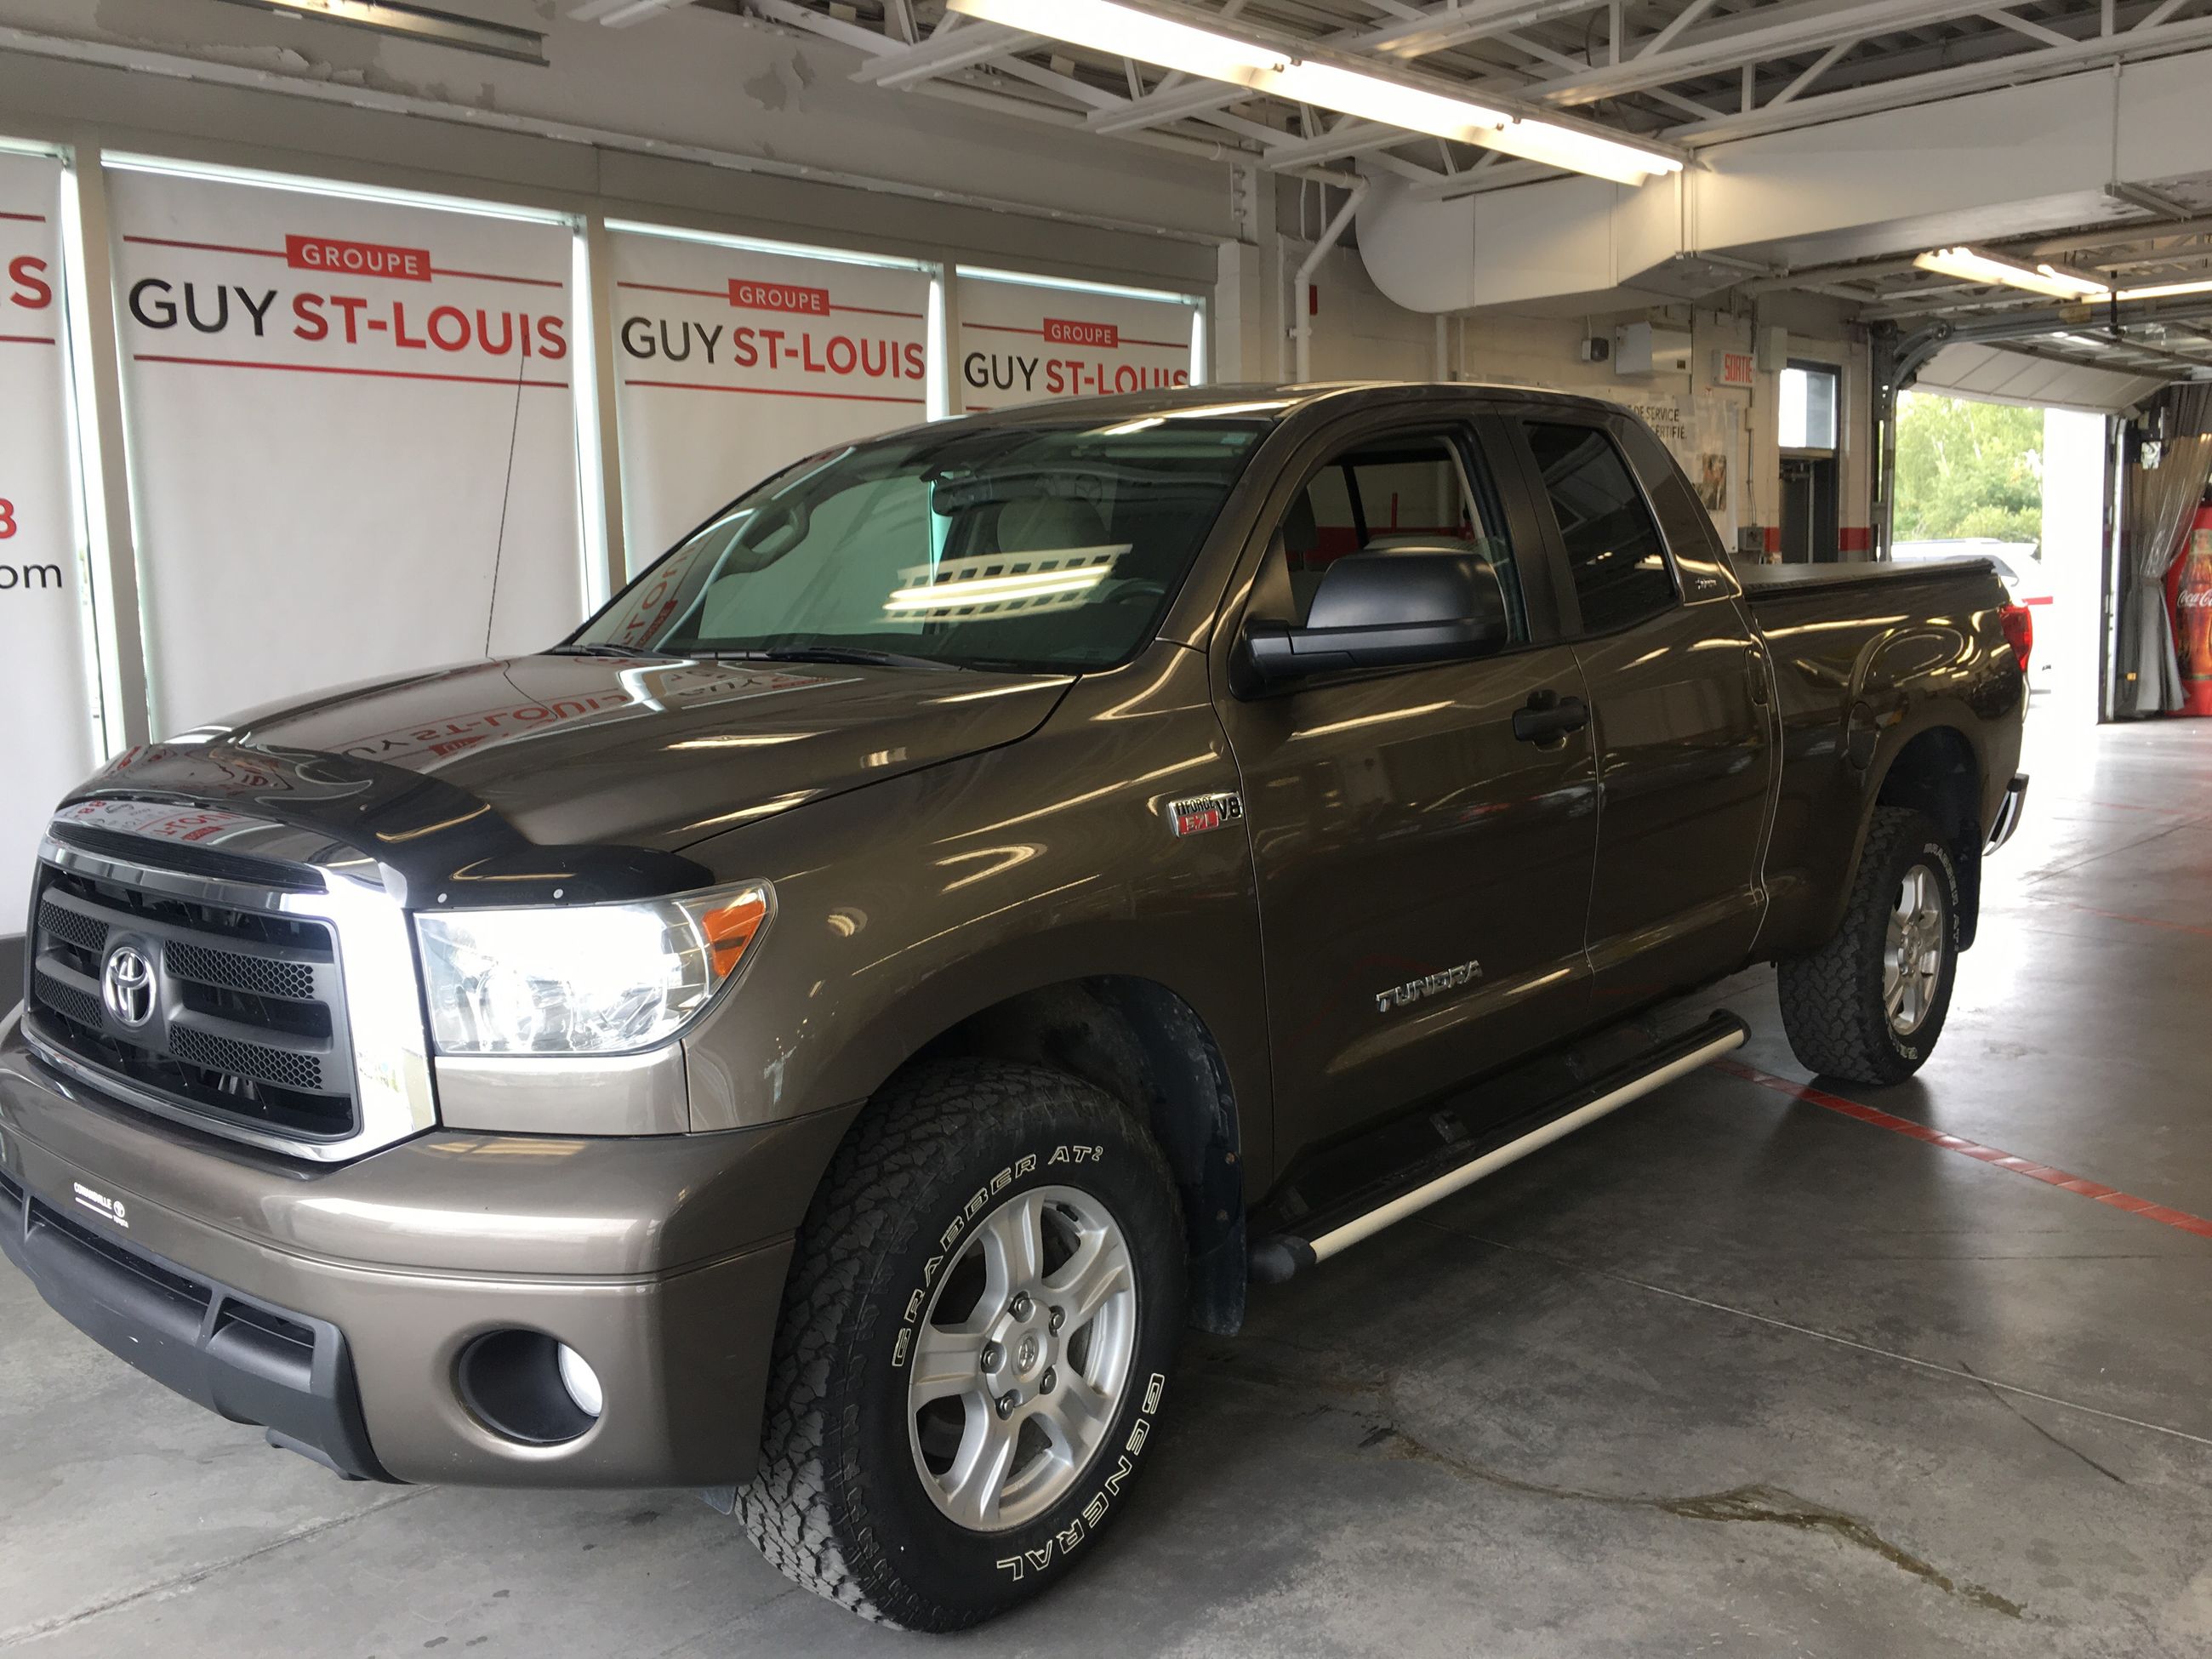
(730, 928)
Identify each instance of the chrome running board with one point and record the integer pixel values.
(1319, 1237)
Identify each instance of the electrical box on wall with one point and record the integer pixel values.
(1650, 349)
(1770, 346)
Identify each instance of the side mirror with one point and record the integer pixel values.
(1386, 610)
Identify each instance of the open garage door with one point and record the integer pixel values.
(1994, 374)
(2002, 455)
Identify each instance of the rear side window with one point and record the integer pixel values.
(1614, 552)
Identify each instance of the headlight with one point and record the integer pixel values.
(591, 979)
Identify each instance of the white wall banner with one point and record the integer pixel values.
(1021, 342)
(352, 437)
(46, 733)
(732, 361)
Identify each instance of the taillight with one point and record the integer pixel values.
(2019, 622)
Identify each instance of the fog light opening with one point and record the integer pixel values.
(525, 1387)
(581, 1381)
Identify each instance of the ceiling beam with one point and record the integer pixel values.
(2016, 69)
(943, 52)
(1752, 37)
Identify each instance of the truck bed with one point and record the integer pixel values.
(1762, 581)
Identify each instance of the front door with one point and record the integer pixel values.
(1423, 872)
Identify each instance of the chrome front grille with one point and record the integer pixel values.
(245, 1019)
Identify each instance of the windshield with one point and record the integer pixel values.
(1045, 548)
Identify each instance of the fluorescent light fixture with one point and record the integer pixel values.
(2167, 290)
(1970, 265)
(432, 28)
(1178, 37)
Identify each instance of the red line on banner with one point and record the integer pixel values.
(1123, 340)
(2047, 1174)
(774, 391)
(493, 277)
(278, 253)
(723, 294)
(26, 339)
(662, 288)
(333, 368)
(27, 218)
(207, 247)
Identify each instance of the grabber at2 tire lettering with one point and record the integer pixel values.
(1869, 1006)
(975, 1342)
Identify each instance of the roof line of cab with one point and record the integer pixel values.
(1275, 402)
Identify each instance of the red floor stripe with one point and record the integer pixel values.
(2002, 1160)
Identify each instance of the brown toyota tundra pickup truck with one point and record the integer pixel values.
(986, 898)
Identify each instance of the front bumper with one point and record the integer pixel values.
(333, 1305)
(249, 1361)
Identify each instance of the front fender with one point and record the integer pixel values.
(906, 908)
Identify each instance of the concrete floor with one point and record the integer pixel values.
(1727, 1373)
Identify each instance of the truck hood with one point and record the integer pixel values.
(638, 757)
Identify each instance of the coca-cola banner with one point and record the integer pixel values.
(1024, 343)
(352, 437)
(47, 739)
(2190, 583)
(732, 361)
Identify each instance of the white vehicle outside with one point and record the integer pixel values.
(2020, 567)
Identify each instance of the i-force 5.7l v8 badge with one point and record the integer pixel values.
(1193, 814)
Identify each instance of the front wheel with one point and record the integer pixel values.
(1869, 1006)
(981, 1311)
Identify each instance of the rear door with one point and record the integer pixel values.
(1423, 873)
(1677, 689)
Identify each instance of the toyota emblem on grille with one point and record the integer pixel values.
(126, 985)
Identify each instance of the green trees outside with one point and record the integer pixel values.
(1967, 469)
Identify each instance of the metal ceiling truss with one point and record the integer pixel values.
(1690, 73)
(1683, 73)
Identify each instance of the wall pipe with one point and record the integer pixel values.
(1302, 331)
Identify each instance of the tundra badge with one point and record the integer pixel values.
(1400, 996)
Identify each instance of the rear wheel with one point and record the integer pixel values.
(1869, 1006)
(975, 1337)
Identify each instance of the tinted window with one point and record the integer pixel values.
(1055, 548)
(1398, 493)
(1614, 550)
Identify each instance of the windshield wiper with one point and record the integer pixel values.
(601, 650)
(834, 654)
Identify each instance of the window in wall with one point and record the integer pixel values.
(1397, 493)
(1809, 406)
(1613, 549)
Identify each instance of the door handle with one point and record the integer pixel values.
(1549, 716)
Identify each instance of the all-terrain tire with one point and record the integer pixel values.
(839, 1504)
(1832, 1002)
